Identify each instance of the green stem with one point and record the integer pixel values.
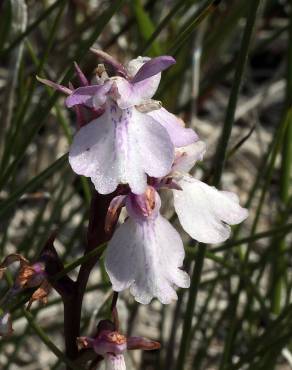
(33, 26)
(68, 268)
(32, 184)
(12, 139)
(230, 113)
(161, 26)
(64, 124)
(145, 26)
(192, 24)
(79, 261)
(221, 153)
(279, 138)
(229, 343)
(265, 234)
(47, 341)
(285, 182)
(193, 292)
(36, 120)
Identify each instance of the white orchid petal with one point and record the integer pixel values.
(114, 362)
(150, 145)
(187, 156)
(121, 146)
(180, 135)
(204, 211)
(92, 154)
(148, 262)
(130, 94)
(134, 65)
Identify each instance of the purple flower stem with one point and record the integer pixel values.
(73, 304)
(72, 292)
(65, 285)
(114, 311)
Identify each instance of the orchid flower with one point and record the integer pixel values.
(146, 252)
(132, 136)
(112, 345)
(128, 141)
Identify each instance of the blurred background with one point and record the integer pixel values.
(243, 313)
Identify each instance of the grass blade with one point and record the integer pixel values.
(222, 147)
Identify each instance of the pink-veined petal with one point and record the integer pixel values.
(186, 157)
(121, 146)
(92, 154)
(93, 96)
(179, 135)
(146, 257)
(205, 212)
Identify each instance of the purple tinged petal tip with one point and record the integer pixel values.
(61, 88)
(179, 134)
(142, 343)
(82, 79)
(85, 94)
(120, 69)
(81, 95)
(153, 67)
(214, 210)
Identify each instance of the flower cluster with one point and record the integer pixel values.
(126, 137)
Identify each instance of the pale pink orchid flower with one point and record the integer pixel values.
(146, 253)
(134, 136)
(126, 136)
(112, 345)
